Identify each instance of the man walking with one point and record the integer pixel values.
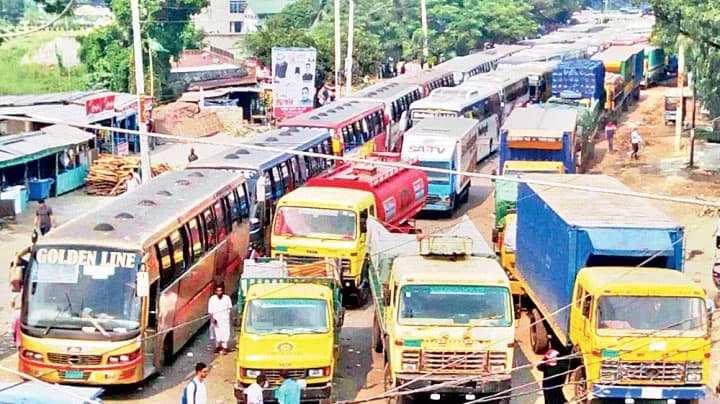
(196, 391)
(192, 157)
(254, 393)
(219, 308)
(553, 378)
(610, 129)
(289, 390)
(44, 219)
(635, 141)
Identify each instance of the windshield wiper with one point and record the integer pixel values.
(68, 307)
(96, 324)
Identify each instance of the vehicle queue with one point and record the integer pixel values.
(158, 250)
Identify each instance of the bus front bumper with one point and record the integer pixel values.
(121, 373)
(489, 384)
(648, 392)
(309, 393)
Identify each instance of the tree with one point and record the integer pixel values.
(107, 51)
(11, 10)
(695, 20)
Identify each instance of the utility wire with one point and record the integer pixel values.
(42, 27)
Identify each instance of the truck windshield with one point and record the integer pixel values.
(485, 306)
(286, 316)
(315, 223)
(82, 289)
(437, 178)
(666, 316)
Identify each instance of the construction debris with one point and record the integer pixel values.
(109, 173)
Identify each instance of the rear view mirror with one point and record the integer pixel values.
(142, 284)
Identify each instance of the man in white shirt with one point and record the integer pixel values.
(635, 141)
(132, 182)
(219, 308)
(254, 393)
(196, 391)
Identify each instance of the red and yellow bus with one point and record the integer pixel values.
(111, 296)
(357, 127)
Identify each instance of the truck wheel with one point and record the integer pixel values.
(579, 380)
(377, 341)
(538, 333)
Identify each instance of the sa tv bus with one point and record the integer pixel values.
(112, 295)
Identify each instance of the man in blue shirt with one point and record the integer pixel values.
(289, 390)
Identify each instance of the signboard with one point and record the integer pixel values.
(98, 105)
(123, 148)
(293, 81)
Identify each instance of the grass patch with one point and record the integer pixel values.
(19, 78)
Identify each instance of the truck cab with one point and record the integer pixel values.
(444, 314)
(290, 319)
(646, 327)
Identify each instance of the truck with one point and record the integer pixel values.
(327, 217)
(443, 313)
(290, 318)
(603, 275)
(629, 62)
(654, 66)
(447, 143)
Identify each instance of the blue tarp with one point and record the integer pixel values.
(630, 242)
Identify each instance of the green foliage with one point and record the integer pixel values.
(166, 32)
(697, 23)
(12, 10)
(21, 78)
(392, 28)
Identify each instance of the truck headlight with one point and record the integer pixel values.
(694, 372)
(252, 373)
(410, 361)
(319, 372)
(609, 370)
(409, 367)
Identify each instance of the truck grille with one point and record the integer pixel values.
(462, 361)
(273, 375)
(657, 372)
(71, 359)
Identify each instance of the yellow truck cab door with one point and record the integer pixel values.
(580, 315)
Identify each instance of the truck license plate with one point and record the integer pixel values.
(73, 374)
(652, 392)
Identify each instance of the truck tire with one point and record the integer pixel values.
(377, 341)
(579, 381)
(539, 340)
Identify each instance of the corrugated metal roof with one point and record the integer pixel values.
(50, 98)
(16, 149)
(541, 118)
(593, 209)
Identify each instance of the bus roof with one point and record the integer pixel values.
(138, 218)
(385, 92)
(325, 197)
(497, 77)
(474, 60)
(557, 120)
(531, 67)
(334, 115)
(443, 125)
(422, 77)
(618, 53)
(453, 98)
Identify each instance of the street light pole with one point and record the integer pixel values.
(337, 49)
(349, 61)
(680, 111)
(140, 89)
(423, 12)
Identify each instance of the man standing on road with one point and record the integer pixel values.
(44, 219)
(553, 378)
(635, 141)
(192, 157)
(254, 393)
(289, 390)
(196, 392)
(219, 308)
(610, 129)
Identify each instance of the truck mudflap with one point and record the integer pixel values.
(487, 385)
(310, 393)
(648, 392)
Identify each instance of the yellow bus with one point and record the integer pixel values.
(112, 295)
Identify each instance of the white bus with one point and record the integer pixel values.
(480, 103)
(513, 86)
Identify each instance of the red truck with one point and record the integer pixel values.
(327, 217)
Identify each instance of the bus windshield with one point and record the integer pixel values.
(315, 223)
(287, 316)
(434, 177)
(92, 290)
(481, 306)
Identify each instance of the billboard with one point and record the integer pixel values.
(293, 81)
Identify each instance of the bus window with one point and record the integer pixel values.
(233, 203)
(222, 221)
(365, 130)
(210, 229)
(277, 182)
(193, 230)
(300, 175)
(162, 250)
(287, 176)
(177, 243)
(244, 202)
(311, 164)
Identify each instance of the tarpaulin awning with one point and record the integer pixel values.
(24, 147)
(631, 242)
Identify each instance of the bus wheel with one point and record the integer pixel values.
(168, 357)
(538, 333)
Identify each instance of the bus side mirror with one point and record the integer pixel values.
(404, 121)
(142, 287)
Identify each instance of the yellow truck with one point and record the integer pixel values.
(443, 314)
(290, 319)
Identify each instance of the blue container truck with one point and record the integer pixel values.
(603, 276)
(579, 79)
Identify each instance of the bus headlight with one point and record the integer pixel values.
(32, 355)
(124, 358)
(319, 372)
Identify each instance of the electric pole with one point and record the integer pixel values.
(140, 90)
(337, 49)
(423, 12)
(349, 61)
(680, 111)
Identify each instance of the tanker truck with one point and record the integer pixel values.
(328, 216)
(604, 278)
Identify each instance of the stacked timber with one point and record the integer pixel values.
(109, 173)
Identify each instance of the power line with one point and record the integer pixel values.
(41, 27)
(185, 140)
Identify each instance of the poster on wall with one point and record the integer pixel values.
(293, 81)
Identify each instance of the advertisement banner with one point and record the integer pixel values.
(98, 105)
(293, 85)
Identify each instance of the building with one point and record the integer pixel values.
(258, 11)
